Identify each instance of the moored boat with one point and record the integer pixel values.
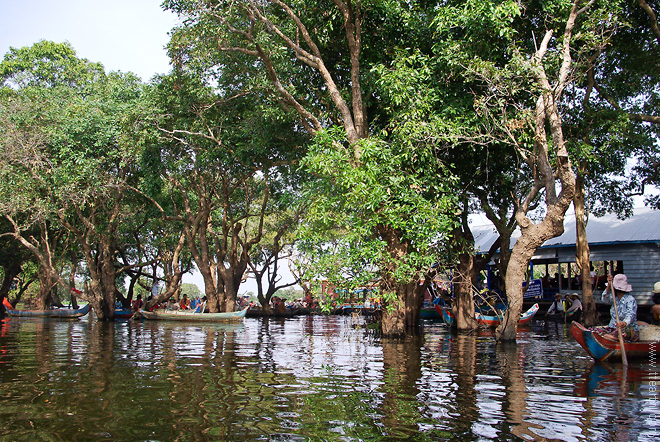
(188, 315)
(429, 312)
(124, 313)
(494, 320)
(446, 314)
(605, 349)
(54, 313)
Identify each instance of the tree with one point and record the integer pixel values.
(73, 173)
(224, 163)
(317, 58)
(520, 100)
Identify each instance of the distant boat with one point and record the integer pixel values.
(189, 315)
(54, 313)
(489, 320)
(429, 312)
(494, 320)
(124, 313)
(604, 349)
(446, 314)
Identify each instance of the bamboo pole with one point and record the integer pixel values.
(624, 358)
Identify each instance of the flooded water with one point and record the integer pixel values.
(317, 378)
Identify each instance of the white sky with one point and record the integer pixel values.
(123, 35)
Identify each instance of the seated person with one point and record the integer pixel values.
(185, 303)
(557, 306)
(626, 307)
(172, 304)
(575, 310)
(655, 310)
(137, 304)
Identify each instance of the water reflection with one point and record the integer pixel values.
(309, 378)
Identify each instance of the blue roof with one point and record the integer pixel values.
(642, 227)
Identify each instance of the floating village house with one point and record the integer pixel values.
(632, 245)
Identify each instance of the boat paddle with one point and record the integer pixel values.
(624, 358)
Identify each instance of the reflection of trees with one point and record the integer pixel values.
(515, 401)
(463, 357)
(402, 370)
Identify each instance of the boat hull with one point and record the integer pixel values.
(179, 315)
(57, 313)
(446, 314)
(494, 321)
(603, 349)
(124, 313)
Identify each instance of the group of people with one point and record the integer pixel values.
(569, 307)
(185, 303)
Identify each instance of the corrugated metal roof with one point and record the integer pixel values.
(643, 226)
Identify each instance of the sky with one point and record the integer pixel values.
(123, 35)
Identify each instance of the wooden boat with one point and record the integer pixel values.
(446, 314)
(605, 349)
(494, 320)
(54, 313)
(428, 311)
(124, 313)
(188, 315)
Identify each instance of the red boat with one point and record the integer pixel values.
(605, 349)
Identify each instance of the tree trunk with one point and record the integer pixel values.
(402, 316)
(532, 237)
(464, 301)
(582, 250)
(47, 280)
(10, 271)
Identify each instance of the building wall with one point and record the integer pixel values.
(641, 264)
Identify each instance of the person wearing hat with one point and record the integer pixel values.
(575, 310)
(626, 306)
(557, 306)
(656, 301)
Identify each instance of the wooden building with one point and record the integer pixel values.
(632, 245)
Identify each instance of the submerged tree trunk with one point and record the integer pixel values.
(582, 256)
(464, 300)
(402, 316)
(549, 174)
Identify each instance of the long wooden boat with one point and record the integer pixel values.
(604, 349)
(124, 313)
(187, 315)
(494, 320)
(54, 313)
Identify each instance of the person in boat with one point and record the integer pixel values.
(557, 307)
(172, 304)
(655, 310)
(185, 303)
(575, 310)
(626, 306)
(137, 303)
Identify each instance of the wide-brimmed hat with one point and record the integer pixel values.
(656, 287)
(620, 282)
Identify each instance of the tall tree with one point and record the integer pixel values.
(224, 162)
(520, 101)
(317, 59)
(74, 173)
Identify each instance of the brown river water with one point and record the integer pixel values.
(311, 378)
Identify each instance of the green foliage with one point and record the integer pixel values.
(355, 204)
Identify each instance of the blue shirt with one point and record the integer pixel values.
(627, 308)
